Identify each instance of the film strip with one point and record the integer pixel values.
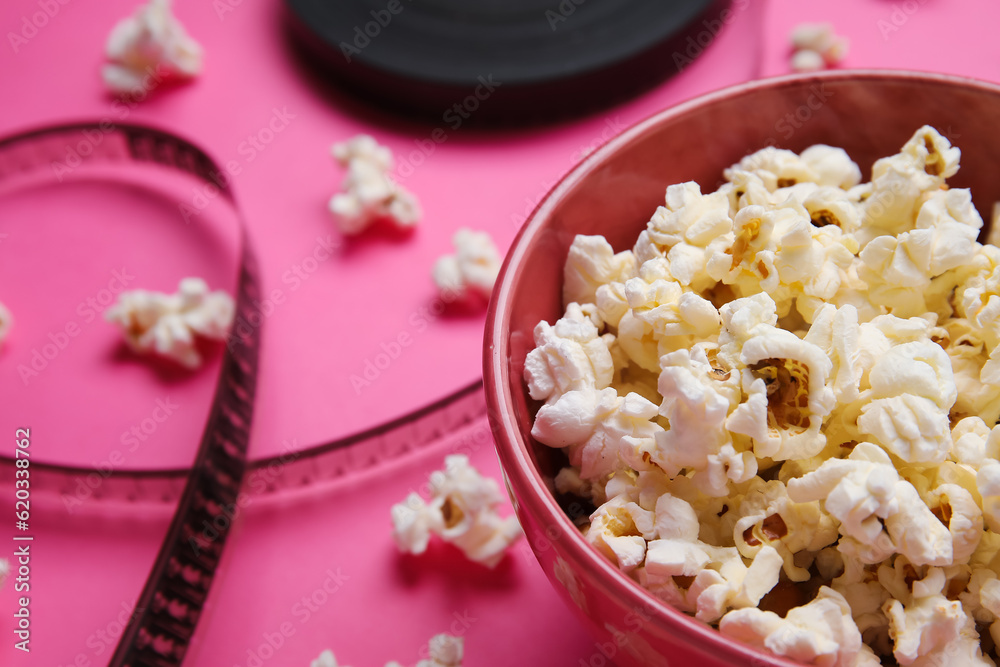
(181, 577)
(170, 604)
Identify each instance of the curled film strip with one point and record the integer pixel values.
(167, 612)
(177, 588)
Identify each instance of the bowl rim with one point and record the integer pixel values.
(512, 450)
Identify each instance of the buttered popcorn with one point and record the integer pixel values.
(782, 404)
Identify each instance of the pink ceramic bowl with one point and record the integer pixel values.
(614, 192)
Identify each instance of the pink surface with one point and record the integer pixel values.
(332, 321)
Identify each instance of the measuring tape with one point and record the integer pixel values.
(174, 595)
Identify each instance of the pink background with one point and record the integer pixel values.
(58, 251)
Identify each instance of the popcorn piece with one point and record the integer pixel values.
(605, 432)
(171, 324)
(821, 632)
(688, 230)
(413, 522)
(445, 651)
(370, 193)
(151, 41)
(767, 517)
(619, 529)
(462, 510)
(326, 659)
(696, 400)
(931, 624)
(820, 38)
(785, 380)
(4, 570)
(861, 490)
(591, 263)
(472, 269)
(568, 356)
(807, 60)
(901, 182)
(6, 322)
(912, 391)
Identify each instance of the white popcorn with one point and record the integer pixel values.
(696, 400)
(821, 632)
(369, 191)
(326, 659)
(912, 391)
(4, 570)
(413, 521)
(6, 322)
(767, 517)
(794, 378)
(171, 324)
(445, 651)
(591, 263)
(605, 432)
(688, 230)
(619, 529)
(462, 511)
(807, 60)
(568, 356)
(864, 491)
(820, 38)
(833, 167)
(930, 624)
(472, 269)
(147, 46)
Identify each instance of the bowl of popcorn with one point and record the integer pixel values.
(743, 369)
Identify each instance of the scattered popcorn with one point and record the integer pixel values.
(326, 659)
(147, 46)
(6, 322)
(444, 651)
(815, 46)
(369, 191)
(172, 324)
(807, 60)
(462, 510)
(472, 269)
(783, 403)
